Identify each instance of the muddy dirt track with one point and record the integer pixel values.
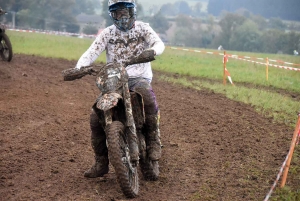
(214, 148)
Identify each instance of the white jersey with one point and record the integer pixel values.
(120, 46)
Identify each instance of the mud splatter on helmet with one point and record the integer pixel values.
(123, 13)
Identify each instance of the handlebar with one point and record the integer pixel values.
(72, 73)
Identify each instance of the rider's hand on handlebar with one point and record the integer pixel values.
(145, 56)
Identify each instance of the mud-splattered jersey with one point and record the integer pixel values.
(120, 46)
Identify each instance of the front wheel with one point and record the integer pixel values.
(5, 48)
(118, 151)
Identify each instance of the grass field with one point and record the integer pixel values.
(278, 97)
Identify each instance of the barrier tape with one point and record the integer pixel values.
(273, 65)
(286, 161)
(277, 178)
(272, 60)
(198, 51)
(245, 58)
(284, 62)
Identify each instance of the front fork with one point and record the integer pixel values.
(126, 158)
(108, 117)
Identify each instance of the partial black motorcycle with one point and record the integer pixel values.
(124, 115)
(6, 51)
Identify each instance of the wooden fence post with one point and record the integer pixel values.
(286, 170)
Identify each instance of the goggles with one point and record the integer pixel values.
(120, 13)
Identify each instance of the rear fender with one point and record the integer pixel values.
(108, 101)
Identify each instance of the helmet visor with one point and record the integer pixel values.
(122, 13)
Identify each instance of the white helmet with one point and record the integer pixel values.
(123, 13)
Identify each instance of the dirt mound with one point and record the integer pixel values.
(214, 148)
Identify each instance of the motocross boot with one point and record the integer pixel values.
(100, 167)
(98, 141)
(153, 137)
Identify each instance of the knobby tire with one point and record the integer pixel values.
(127, 179)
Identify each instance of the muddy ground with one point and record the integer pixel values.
(214, 148)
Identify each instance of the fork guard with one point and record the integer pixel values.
(108, 101)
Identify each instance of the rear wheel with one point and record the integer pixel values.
(119, 157)
(5, 48)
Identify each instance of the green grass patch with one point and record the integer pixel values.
(211, 66)
(45, 45)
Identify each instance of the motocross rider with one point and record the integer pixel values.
(122, 40)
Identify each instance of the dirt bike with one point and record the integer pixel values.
(123, 111)
(6, 52)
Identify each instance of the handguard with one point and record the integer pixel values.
(144, 57)
(74, 73)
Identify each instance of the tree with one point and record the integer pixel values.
(182, 8)
(86, 6)
(4, 4)
(197, 9)
(177, 8)
(159, 23)
(270, 41)
(188, 32)
(214, 8)
(246, 38)
(61, 16)
(184, 21)
(291, 42)
(105, 14)
(53, 14)
(90, 30)
(229, 24)
(276, 23)
(260, 21)
(288, 10)
(168, 10)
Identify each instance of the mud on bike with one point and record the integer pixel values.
(124, 119)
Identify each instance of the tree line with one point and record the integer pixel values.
(236, 32)
(53, 14)
(241, 30)
(286, 10)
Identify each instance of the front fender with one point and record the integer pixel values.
(108, 101)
